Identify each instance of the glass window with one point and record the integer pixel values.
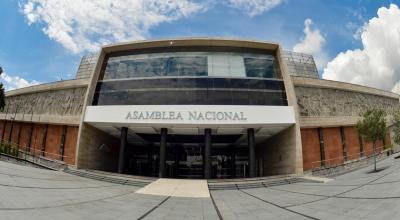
(236, 66)
(258, 67)
(187, 66)
(226, 65)
(190, 91)
(219, 64)
(156, 67)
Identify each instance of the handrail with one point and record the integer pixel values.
(332, 162)
(35, 155)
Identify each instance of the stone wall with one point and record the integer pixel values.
(323, 102)
(52, 102)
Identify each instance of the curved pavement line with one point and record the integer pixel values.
(70, 204)
(308, 194)
(369, 198)
(154, 208)
(216, 207)
(50, 179)
(37, 169)
(337, 195)
(369, 184)
(281, 207)
(34, 187)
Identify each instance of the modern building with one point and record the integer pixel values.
(194, 108)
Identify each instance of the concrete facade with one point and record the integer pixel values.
(98, 151)
(48, 119)
(293, 165)
(277, 154)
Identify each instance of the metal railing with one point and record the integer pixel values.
(33, 155)
(339, 161)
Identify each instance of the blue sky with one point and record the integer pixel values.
(28, 54)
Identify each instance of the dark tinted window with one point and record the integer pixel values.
(256, 67)
(186, 66)
(156, 67)
(190, 91)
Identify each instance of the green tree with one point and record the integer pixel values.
(372, 127)
(396, 127)
(2, 99)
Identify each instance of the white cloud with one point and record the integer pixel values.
(85, 25)
(377, 64)
(15, 82)
(313, 43)
(253, 7)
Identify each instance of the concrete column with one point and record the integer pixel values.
(233, 160)
(163, 151)
(122, 146)
(252, 154)
(207, 153)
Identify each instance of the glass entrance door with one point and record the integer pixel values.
(185, 157)
(185, 161)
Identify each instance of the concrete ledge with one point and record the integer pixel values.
(66, 84)
(334, 121)
(48, 119)
(319, 83)
(193, 41)
(331, 121)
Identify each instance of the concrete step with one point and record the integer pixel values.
(257, 182)
(109, 177)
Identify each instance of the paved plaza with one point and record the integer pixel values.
(33, 193)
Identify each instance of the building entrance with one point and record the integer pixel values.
(185, 157)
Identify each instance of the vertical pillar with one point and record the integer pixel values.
(149, 159)
(11, 130)
(177, 157)
(163, 151)
(44, 138)
(252, 153)
(62, 142)
(207, 153)
(233, 161)
(321, 145)
(122, 146)
(30, 138)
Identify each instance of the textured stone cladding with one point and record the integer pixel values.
(333, 102)
(53, 102)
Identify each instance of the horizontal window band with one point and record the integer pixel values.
(190, 89)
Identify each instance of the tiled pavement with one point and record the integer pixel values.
(31, 193)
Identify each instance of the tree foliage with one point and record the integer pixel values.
(372, 127)
(396, 127)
